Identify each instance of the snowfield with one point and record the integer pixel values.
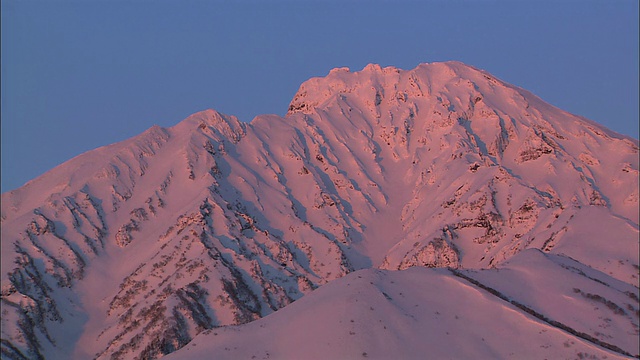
(416, 313)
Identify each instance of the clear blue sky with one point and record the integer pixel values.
(80, 74)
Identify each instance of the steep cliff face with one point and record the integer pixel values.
(135, 248)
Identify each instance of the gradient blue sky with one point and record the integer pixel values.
(77, 75)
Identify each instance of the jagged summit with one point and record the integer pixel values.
(392, 83)
(461, 87)
(215, 222)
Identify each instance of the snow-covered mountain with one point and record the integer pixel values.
(180, 235)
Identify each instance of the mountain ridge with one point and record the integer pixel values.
(215, 222)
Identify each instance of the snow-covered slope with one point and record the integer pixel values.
(421, 313)
(133, 249)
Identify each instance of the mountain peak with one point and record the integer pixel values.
(405, 85)
(214, 222)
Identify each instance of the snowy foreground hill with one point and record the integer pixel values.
(432, 213)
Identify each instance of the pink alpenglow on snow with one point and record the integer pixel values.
(434, 212)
